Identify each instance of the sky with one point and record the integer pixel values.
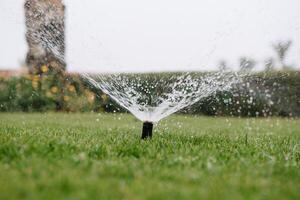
(161, 35)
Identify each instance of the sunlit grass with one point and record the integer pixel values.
(101, 156)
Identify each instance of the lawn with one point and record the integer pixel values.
(101, 156)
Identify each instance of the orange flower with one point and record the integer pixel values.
(90, 96)
(71, 88)
(48, 94)
(44, 68)
(54, 64)
(104, 97)
(35, 84)
(54, 89)
(66, 98)
(35, 78)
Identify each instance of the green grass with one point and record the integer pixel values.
(92, 156)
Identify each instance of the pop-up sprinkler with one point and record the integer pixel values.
(147, 130)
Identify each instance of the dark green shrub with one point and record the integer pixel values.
(260, 94)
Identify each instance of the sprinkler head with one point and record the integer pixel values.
(147, 130)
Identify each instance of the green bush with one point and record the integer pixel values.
(260, 94)
(45, 92)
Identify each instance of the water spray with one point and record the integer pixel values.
(154, 96)
(147, 130)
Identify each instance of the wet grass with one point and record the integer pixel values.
(91, 156)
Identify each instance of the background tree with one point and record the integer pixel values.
(269, 64)
(247, 64)
(281, 49)
(223, 66)
(45, 35)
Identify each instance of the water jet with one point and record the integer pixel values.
(154, 96)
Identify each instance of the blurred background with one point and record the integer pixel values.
(46, 45)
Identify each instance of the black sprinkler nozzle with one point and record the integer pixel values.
(147, 130)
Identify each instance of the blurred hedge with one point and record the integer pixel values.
(48, 92)
(260, 94)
